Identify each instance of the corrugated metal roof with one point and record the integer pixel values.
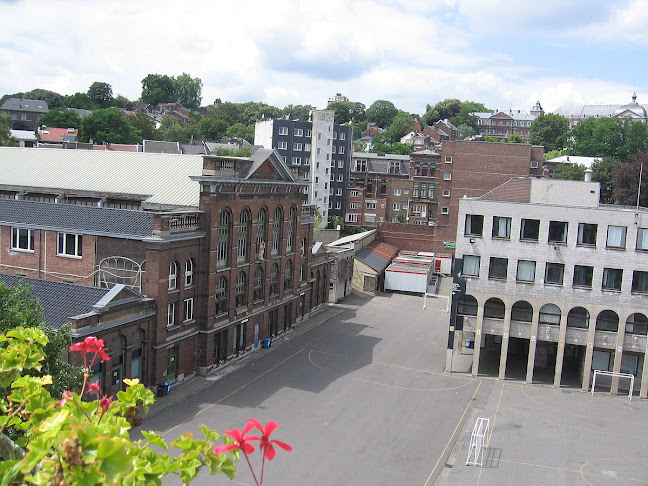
(84, 219)
(165, 177)
(377, 256)
(59, 300)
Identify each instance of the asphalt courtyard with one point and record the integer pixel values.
(363, 400)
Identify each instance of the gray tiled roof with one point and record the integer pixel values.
(19, 104)
(83, 219)
(59, 300)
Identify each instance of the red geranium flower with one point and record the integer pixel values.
(91, 345)
(267, 445)
(67, 396)
(242, 442)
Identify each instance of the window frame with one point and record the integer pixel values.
(549, 266)
(580, 238)
(624, 238)
(473, 258)
(605, 278)
(517, 271)
(524, 230)
(189, 266)
(16, 239)
(62, 245)
(282, 130)
(589, 274)
(468, 227)
(497, 226)
(495, 264)
(171, 313)
(551, 236)
(644, 276)
(282, 145)
(189, 310)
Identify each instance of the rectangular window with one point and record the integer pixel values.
(501, 227)
(353, 194)
(397, 192)
(640, 282)
(283, 130)
(299, 132)
(642, 239)
(525, 271)
(474, 225)
(583, 276)
(530, 229)
(616, 237)
(554, 273)
(558, 231)
(371, 205)
(69, 244)
(334, 135)
(351, 218)
(22, 239)
(340, 164)
(446, 193)
(587, 234)
(470, 265)
(447, 176)
(171, 311)
(341, 149)
(296, 160)
(338, 191)
(353, 206)
(612, 278)
(342, 136)
(188, 309)
(445, 210)
(340, 178)
(406, 191)
(308, 133)
(497, 267)
(297, 146)
(396, 207)
(307, 147)
(282, 145)
(448, 159)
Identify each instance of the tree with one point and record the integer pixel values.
(101, 94)
(107, 126)
(143, 126)
(445, 109)
(609, 137)
(61, 118)
(626, 182)
(238, 130)
(603, 173)
(19, 307)
(53, 99)
(549, 130)
(158, 88)
(347, 111)
(401, 125)
(396, 148)
(465, 117)
(552, 154)
(211, 128)
(171, 130)
(515, 138)
(188, 91)
(466, 131)
(381, 112)
(6, 140)
(297, 112)
(120, 101)
(401, 218)
(574, 172)
(248, 113)
(79, 100)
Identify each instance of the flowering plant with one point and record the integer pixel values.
(83, 438)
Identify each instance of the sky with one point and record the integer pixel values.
(505, 54)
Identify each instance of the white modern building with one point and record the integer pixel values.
(550, 285)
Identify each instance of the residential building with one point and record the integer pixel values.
(551, 285)
(322, 148)
(502, 124)
(338, 98)
(221, 247)
(56, 136)
(25, 114)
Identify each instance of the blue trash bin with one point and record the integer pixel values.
(267, 342)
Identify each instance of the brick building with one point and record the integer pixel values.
(221, 247)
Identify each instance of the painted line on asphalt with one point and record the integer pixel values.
(522, 387)
(234, 392)
(385, 384)
(490, 436)
(583, 473)
(454, 432)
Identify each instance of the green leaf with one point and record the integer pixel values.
(209, 433)
(9, 469)
(155, 439)
(116, 460)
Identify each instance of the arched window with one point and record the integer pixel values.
(223, 239)
(241, 290)
(288, 274)
(550, 314)
(262, 219)
(244, 231)
(274, 279)
(522, 311)
(607, 320)
(137, 354)
(324, 286)
(578, 317)
(276, 231)
(221, 296)
(189, 269)
(258, 283)
(637, 323)
(494, 308)
(290, 231)
(173, 275)
(304, 247)
(467, 305)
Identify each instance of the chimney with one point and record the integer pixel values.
(588, 175)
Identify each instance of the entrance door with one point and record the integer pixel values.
(302, 304)
(256, 335)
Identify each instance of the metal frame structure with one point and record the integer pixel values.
(613, 374)
(478, 442)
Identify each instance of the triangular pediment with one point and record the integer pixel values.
(268, 165)
(501, 115)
